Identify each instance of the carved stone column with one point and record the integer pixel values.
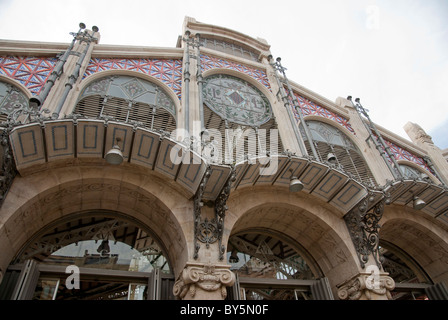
(367, 286)
(200, 281)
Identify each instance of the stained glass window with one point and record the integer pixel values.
(11, 99)
(236, 100)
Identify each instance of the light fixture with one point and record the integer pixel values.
(295, 185)
(418, 203)
(114, 155)
(331, 157)
(234, 256)
(104, 248)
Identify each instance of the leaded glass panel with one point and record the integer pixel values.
(11, 99)
(236, 100)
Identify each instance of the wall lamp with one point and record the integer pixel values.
(114, 155)
(295, 185)
(418, 203)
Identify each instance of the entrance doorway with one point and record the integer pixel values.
(91, 256)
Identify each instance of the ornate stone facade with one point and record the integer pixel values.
(232, 182)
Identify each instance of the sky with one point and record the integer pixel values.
(392, 54)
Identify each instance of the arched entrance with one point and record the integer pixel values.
(414, 251)
(148, 202)
(270, 266)
(97, 255)
(302, 239)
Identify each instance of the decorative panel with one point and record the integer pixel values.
(11, 99)
(146, 144)
(191, 172)
(236, 100)
(402, 154)
(122, 132)
(349, 196)
(438, 205)
(32, 72)
(28, 145)
(90, 138)
(209, 62)
(270, 169)
(430, 193)
(168, 160)
(218, 177)
(59, 139)
(169, 71)
(294, 168)
(330, 185)
(251, 175)
(310, 108)
(414, 189)
(312, 175)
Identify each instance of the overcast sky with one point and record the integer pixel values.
(392, 54)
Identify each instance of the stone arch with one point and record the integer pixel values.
(418, 236)
(30, 249)
(42, 198)
(418, 168)
(302, 218)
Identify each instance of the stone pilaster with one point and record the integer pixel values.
(200, 281)
(367, 286)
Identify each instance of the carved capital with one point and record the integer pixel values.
(203, 281)
(367, 286)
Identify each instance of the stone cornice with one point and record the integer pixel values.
(31, 48)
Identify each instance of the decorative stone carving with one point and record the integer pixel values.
(417, 134)
(367, 286)
(203, 281)
(363, 226)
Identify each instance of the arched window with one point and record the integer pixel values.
(413, 173)
(243, 117)
(128, 99)
(94, 257)
(11, 100)
(230, 48)
(333, 146)
(269, 268)
(405, 271)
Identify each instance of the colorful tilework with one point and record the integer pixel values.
(169, 71)
(310, 108)
(32, 72)
(402, 154)
(209, 62)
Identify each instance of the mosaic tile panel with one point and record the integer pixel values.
(32, 72)
(209, 62)
(310, 108)
(169, 71)
(402, 154)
